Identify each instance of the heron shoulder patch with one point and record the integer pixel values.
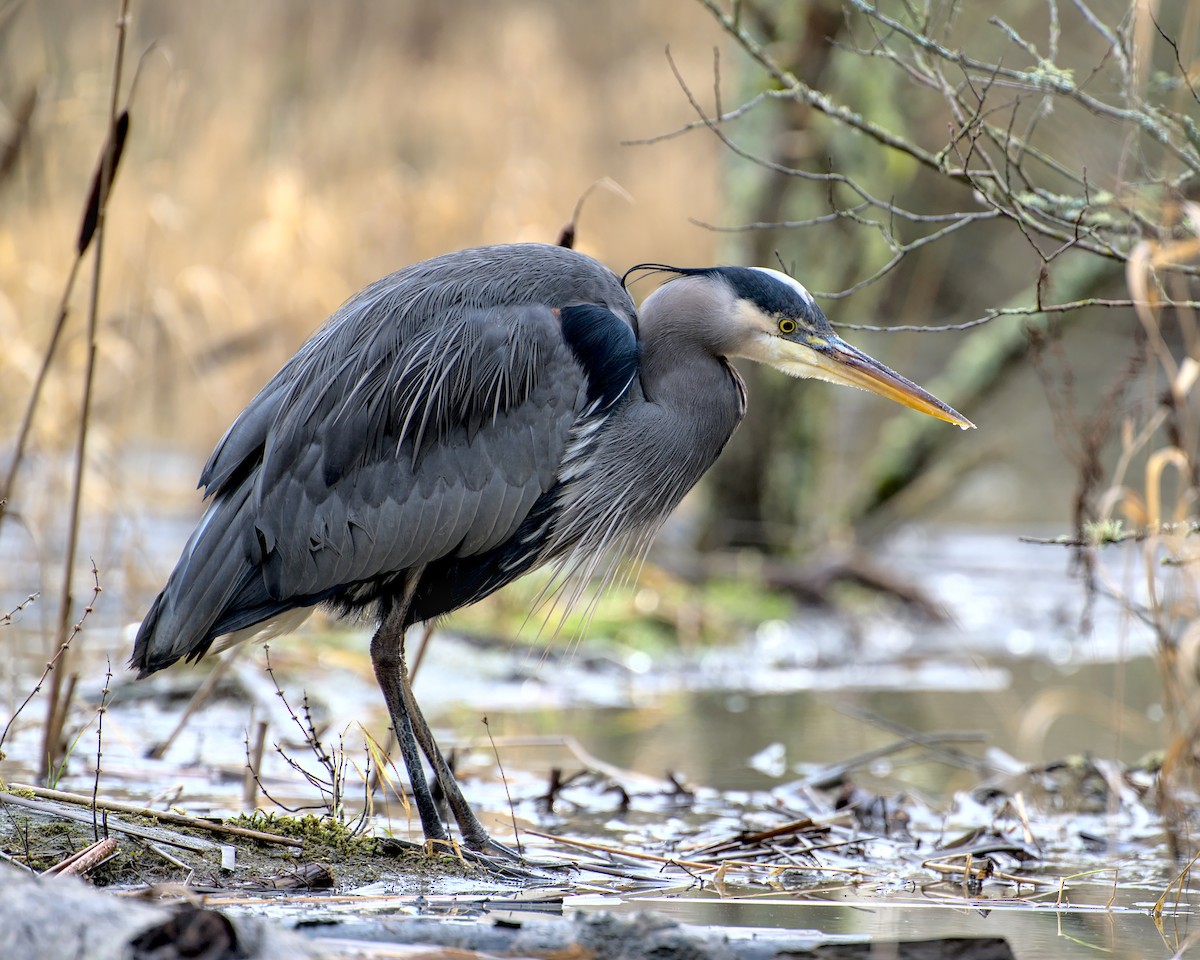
(605, 347)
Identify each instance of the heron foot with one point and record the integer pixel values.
(503, 861)
(500, 860)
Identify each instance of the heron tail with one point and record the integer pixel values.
(146, 658)
(213, 590)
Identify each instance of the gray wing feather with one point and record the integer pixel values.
(213, 578)
(423, 420)
(452, 466)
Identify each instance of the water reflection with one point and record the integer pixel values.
(1033, 934)
(709, 736)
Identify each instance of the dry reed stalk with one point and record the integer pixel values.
(254, 756)
(91, 233)
(159, 749)
(102, 181)
(53, 663)
(86, 859)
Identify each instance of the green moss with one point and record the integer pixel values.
(43, 840)
(41, 843)
(658, 613)
(1105, 531)
(349, 852)
(318, 833)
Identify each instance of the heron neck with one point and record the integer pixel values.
(683, 354)
(693, 385)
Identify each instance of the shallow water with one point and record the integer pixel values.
(1031, 932)
(752, 723)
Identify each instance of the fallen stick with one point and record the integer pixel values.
(695, 866)
(84, 860)
(162, 816)
(51, 809)
(832, 776)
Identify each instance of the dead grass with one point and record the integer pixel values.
(281, 156)
(1151, 505)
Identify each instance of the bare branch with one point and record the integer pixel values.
(1045, 77)
(1185, 77)
(994, 145)
(1115, 44)
(735, 114)
(1031, 310)
(797, 90)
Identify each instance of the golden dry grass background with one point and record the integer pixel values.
(282, 155)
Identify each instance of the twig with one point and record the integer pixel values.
(57, 710)
(630, 854)
(1045, 77)
(795, 89)
(173, 860)
(331, 790)
(39, 381)
(988, 156)
(1102, 535)
(7, 618)
(159, 750)
(108, 674)
(688, 866)
(426, 639)
(1030, 310)
(13, 791)
(262, 787)
(932, 743)
(254, 755)
(512, 812)
(832, 776)
(86, 859)
(691, 125)
(56, 810)
(54, 660)
(14, 862)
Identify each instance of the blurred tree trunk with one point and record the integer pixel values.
(964, 162)
(897, 481)
(763, 482)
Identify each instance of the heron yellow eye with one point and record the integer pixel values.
(787, 326)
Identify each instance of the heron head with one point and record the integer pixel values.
(771, 318)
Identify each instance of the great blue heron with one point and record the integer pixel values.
(463, 421)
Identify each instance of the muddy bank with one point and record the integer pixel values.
(48, 918)
(61, 917)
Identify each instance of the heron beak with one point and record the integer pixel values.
(832, 359)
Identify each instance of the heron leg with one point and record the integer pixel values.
(414, 736)
(474, 833)
(387, 658)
